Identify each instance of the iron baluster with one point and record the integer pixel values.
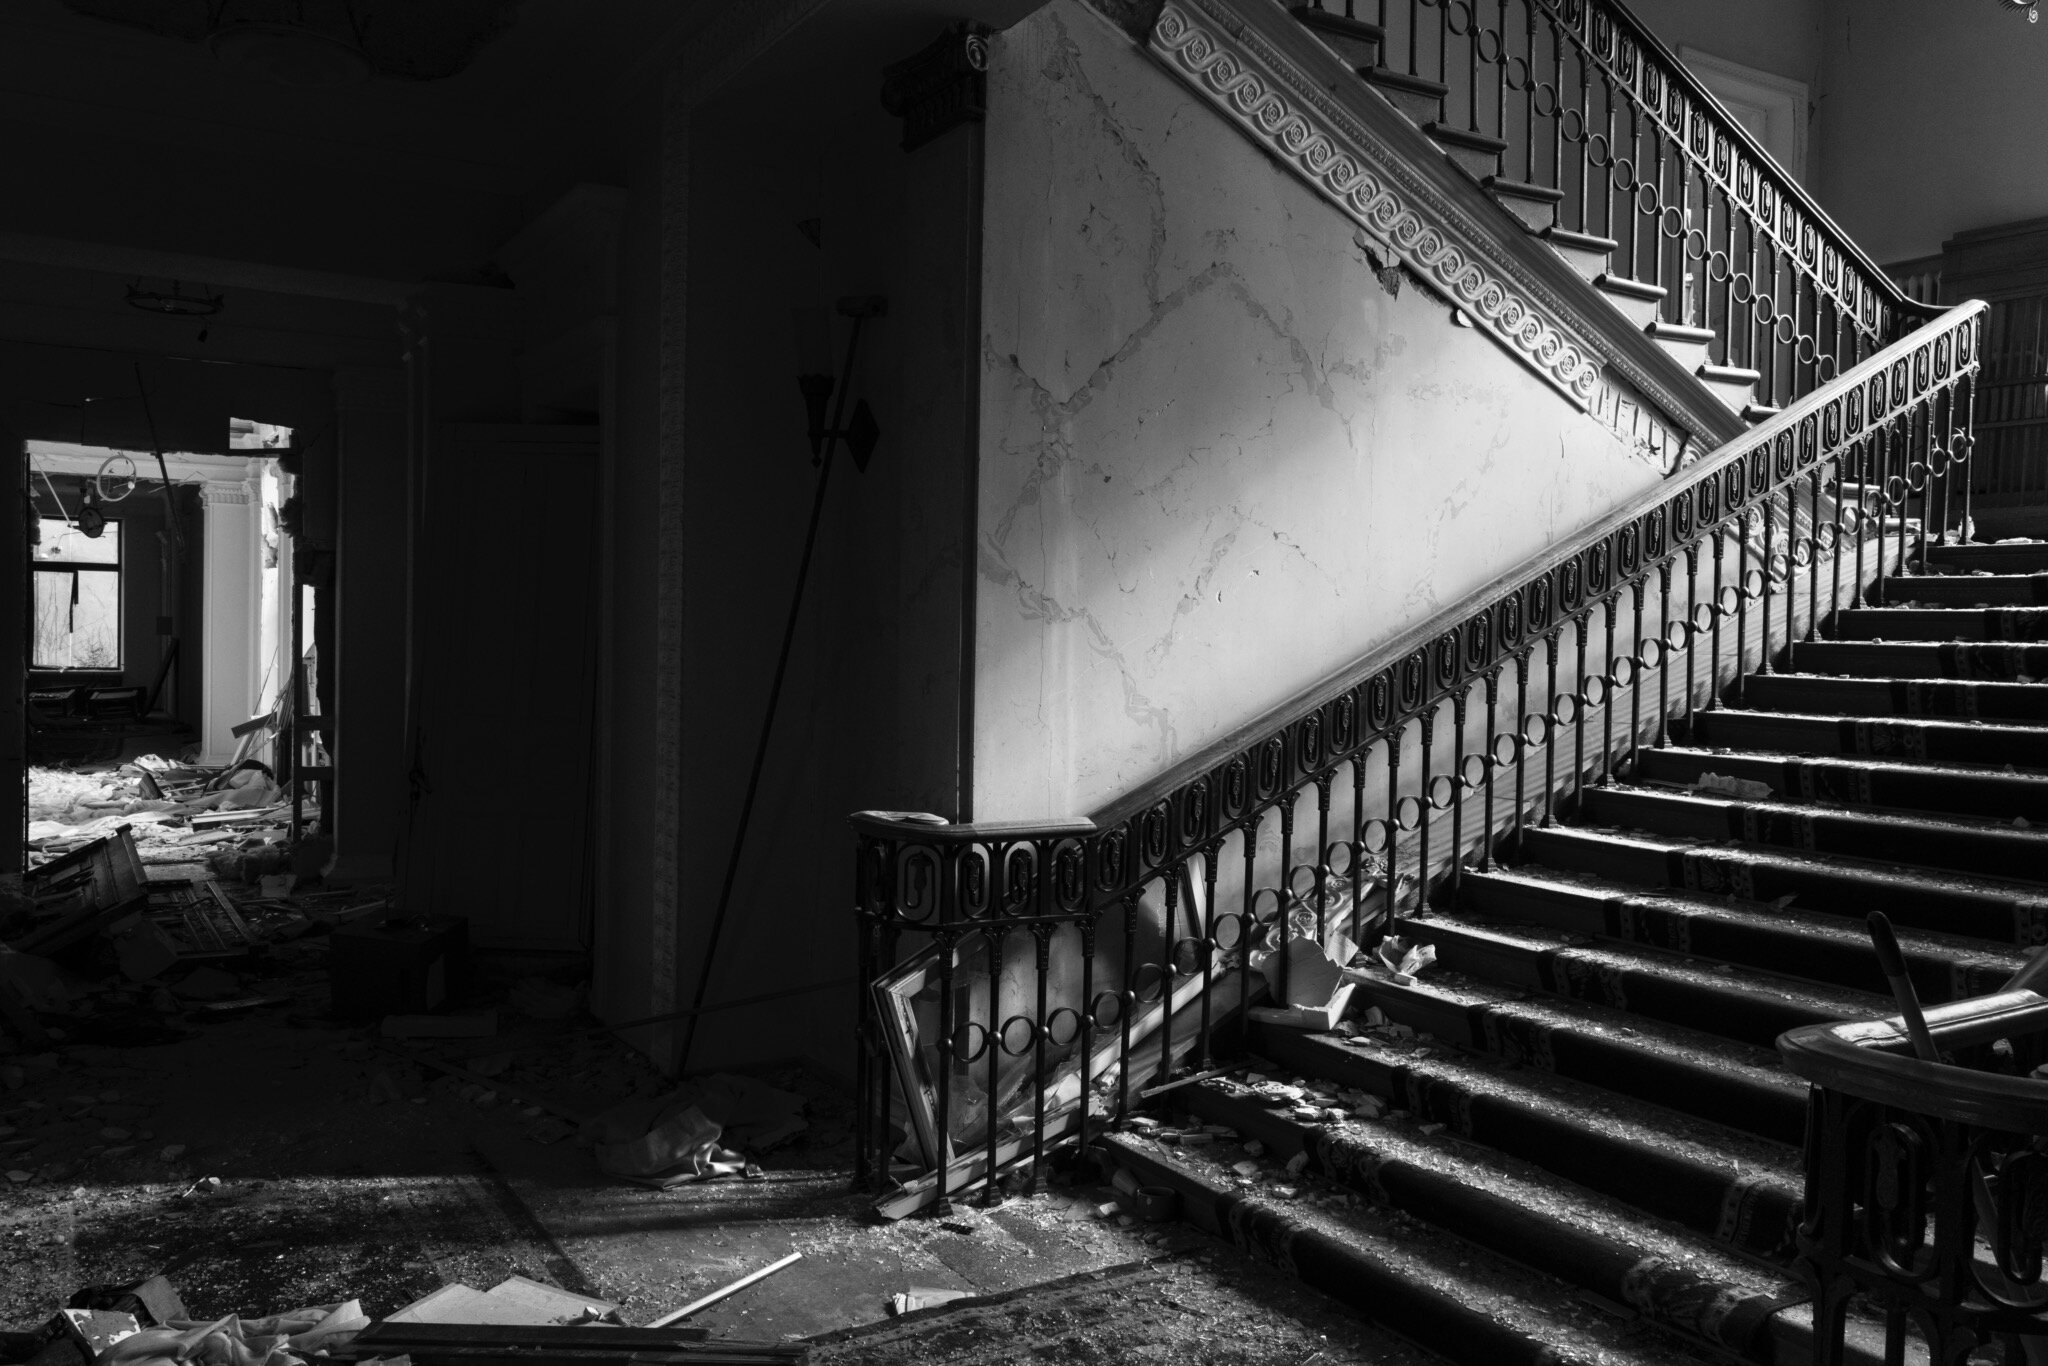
(1663, 652)
(1770, 518)
(1813, 554)
(1166, 974)
(1428, 734)
(1720, 546)
(1459, 700)
(1041, 934)
(1741, 609)
(992, 1044)
(1492, 677)
(1209, 861)
(1635, 673)
(1394, 821)
(1609, 676)
(1521, 746)
(1550, 734)
(1582, 623)
(1692, 631)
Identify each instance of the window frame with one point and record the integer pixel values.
(39, 566)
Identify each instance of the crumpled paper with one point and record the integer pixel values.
(670, 1139)
(279, 1340)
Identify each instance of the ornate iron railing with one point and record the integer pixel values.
(1587, 105)
(1926, 1182)
(1033, 966)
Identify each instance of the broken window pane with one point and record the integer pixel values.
(63, 543)
(78, 619)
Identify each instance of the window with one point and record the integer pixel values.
(78, 597)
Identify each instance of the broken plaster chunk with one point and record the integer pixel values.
(1297, 1164)
(1247, 1169)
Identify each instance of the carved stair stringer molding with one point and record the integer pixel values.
(1300, 103)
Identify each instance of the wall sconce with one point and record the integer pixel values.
(813, 329)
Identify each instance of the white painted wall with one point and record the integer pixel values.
(1218, 461)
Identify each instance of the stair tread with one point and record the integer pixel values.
(2024, 839)
(1873, 762)
(1703, 913)
(1619, 962)
(2029, 896)
(1908, 697)
(1865, 782)
(1560, 1227)
(1864, 735)
(1528, 1026)
(1460, 1087)
(2015, 624)
(1445, 1292)
(1987, 660)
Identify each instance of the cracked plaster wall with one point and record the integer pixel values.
(1217, 460)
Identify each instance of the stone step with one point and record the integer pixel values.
(1417, 97)
(1638, 302)
(1923, 659)
(1688, 346)
(1932, 741)
(1732, 384)
(1787, 939)
(1437, 1290)
(1942, 623)
(1824, 693)
(1695, 1073)
(1994, 910)
(1927, 841)
(1969, 590)
(1749, 1006)
(1584, 253)
(1679, 1280)
(1741, 1190)
(2023, 557)
(1535, 205)
(1951, 789)
(1479, 153)
(1357, 41)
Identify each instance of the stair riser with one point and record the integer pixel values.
(1733, 1011)
(1990, 852)
(1871, 739)
(1677, 1300)
(1752, 1213)
(1385, 1292)
(1970, 591)
(1784, 948)
(1886, 697)
(1679, 1083)
(1942, 623)
(1838, 891)
(1987, 794)
(1986, 661)
(1999, 559)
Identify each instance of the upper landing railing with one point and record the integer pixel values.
(1038, 975)
(1586, 104)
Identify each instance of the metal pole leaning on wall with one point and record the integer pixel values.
(860, 440)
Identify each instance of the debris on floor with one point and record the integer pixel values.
(234, 821)
(682, 1136)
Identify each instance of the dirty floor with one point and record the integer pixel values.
(281, 1159)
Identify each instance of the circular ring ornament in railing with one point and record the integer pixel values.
(1826, 368)
(1742, 288)
(1727, 602)
(1644, 659)
(1678, 634)
(1499, 47)
(1351, 863)
(1515, 82)
(1535, 730)
(1449, 789)
(1052, 1024)
(1571, 123)
(1623, 671)
(1649, 202)
(1226, 931)
(1764, 308)
(1604, 158)
(1305, 880)
(1505, 749)
(1916, 476)
(964, 1031)
(1595, 691)
(1115, 1015)
(1025, 1032)
(1807, 349)
(1671, 222)
(1373, 836)
(1188, 954)
(1146, 985)
(1408, 814)
(1753, 594)
(1702, 618)
(1474, 768)
(1786, 329)
(1565, 710)
(1692, 254)
(1894, 494)
(1720, 266)
(1456, 25)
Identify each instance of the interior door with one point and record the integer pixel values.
(508, 649)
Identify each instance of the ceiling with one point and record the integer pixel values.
(397, 39)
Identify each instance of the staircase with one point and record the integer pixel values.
(1572, 1140)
